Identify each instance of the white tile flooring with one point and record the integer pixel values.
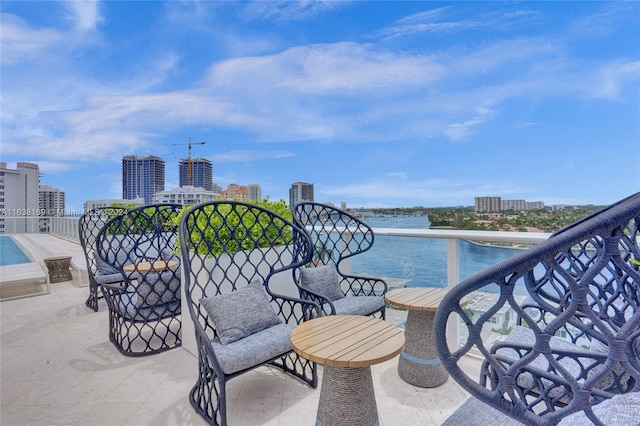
(59, 368)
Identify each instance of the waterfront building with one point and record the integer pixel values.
(254, 193)
(300, 191)
(515, 205)
(487, 204)
(235, 192)
(186, 195)
(343, 205)
(109, 202)
(196, 172)
(51, 201)
(142, 176)
(534, 205)
(19, 198)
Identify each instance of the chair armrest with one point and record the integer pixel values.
(318, 299)
(295, 309)
(364, 286)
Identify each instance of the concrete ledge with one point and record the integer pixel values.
(24, 280)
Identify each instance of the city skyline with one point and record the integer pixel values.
(378, 104)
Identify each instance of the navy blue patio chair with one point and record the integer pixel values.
(89, 225)
(140, 245)
(234, 255)
(573, 355)
(337, 236)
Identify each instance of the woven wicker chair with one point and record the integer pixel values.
(234, 255)
(573, 356)
(89, 225)
(337, 236)
(144, 306)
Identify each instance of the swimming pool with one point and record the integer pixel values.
(11, 253)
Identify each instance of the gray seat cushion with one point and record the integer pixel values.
(621, 410)
(157, 288)
(357, 305)
(126, 306)
(241, 313)
(475, 412)
(255, 349)
(323, 280)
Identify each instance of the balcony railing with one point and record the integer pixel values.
(67, 227)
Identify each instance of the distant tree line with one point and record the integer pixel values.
(465, 218)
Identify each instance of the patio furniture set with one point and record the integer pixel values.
(233, 261)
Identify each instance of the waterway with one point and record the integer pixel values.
(421, 261)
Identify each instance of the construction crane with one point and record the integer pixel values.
(189, 165)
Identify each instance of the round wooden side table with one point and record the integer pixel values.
(419, 364)
(347, 345)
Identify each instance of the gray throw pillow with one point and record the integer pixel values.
(323, 280)
(103, 267)
(241, 313)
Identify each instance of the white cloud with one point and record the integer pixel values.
(84, 13)
(248, 156)
(285, 11)
(21, 42)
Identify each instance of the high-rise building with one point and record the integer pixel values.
(300, 191)
(51, 201)
(488, 204)
(196, 172)
(515, 205)
(142, 176)
(19, 197)
(254, 193)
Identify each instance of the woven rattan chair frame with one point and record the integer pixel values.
(580, 285)
(89, 225)
(221, 256)
(145, 306)
(337, 236)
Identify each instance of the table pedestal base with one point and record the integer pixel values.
(59, 268)
(347, 398)
(419, 363)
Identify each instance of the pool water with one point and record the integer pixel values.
(11, 253)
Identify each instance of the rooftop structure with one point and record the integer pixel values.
(64, 370)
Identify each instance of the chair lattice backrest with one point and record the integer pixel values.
(145, 307)
(89, 225)
(226, 246)
(558, 326)
(337, 236)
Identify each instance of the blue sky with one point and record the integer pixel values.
(376, 103)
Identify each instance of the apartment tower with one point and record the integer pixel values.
(19, 198)
(196, 172)
(300, 191)
(142, 176)
(254, 193)
(51, 201)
